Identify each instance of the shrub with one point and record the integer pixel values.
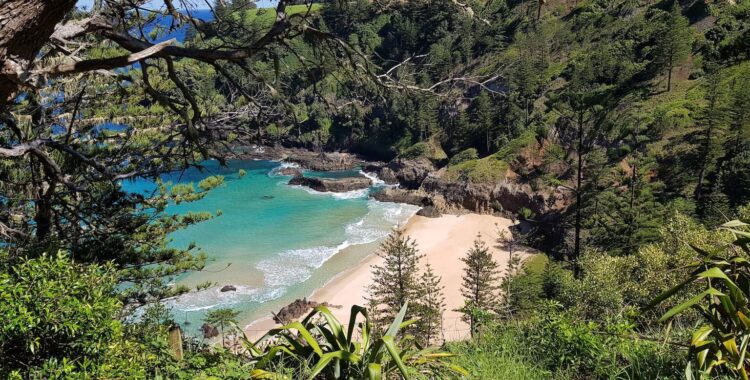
(464, 155)
(320, 346)
(485, 170)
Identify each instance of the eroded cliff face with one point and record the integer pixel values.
(420, 183)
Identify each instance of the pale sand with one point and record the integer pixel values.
(443, 241)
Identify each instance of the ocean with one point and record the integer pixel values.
(272, 241)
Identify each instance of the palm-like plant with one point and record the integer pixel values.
(725, 304)
(332, 351)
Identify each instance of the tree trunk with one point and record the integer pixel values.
(669, 75)
(25, 26)
(579, 181)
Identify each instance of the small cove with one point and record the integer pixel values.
(272, 241)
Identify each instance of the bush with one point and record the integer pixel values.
(57, 318)
(485, 170)
(464, 155)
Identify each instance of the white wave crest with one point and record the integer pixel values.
(296, 265)
(214, 297)
(354, 194)
(275, 172)
(373, 177)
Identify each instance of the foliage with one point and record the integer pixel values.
(223, 317)
(465, 155)
(720, 344)
(485, 170)
(54, 312)
(396, 281)
(331, 350)
(430, 305)
(480, 284)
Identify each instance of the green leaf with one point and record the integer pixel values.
(395, 355)
(734, 224)
(394, 327)
(689, 303)
(374, 371)
(326, 359)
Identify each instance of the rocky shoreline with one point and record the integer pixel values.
(419, 183)
(340, 185)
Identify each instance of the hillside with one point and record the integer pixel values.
(609, 139)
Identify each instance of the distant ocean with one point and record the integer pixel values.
(273, 242)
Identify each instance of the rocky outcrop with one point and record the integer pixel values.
(340, 185)
(324, 161)
(288, 171)
(503, 196)
(209, 331)
(429, 212)
(297, 309)
(319, 161)
(228, 288)
(399, 195)
(383, 172)
(408, 173)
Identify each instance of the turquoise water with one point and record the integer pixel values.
(274, 242)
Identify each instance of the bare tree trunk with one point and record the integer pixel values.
(25, 26)
(669, 76)
(579, 198)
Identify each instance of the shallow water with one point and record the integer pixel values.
(274, 242)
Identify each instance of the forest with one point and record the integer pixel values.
(614, 133)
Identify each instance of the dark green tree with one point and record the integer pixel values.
(480, 283)
(396, 281)
(674, 41)
(430, 306)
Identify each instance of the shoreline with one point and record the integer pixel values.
(442, 241)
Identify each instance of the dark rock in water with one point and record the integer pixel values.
(209, 331)
(321, 161)
(429, 212)
(288, 171)
(398, 195)
(267, 197)
(228, 288)
(340, 185)
(409, 173)
(297, 309)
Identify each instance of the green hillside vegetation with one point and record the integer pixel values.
(629, 119)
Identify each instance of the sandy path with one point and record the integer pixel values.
(443, 241)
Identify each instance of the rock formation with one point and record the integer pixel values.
(296, 309)
(340, 185)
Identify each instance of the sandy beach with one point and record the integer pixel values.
(443, 241)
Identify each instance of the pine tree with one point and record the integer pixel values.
(675, 41)
(430, 306)
(712, 123)
(396, 281)
(480, 283)
(511, 241)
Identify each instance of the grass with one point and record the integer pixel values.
(484, 170)
(490, 169)
(498, 356)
